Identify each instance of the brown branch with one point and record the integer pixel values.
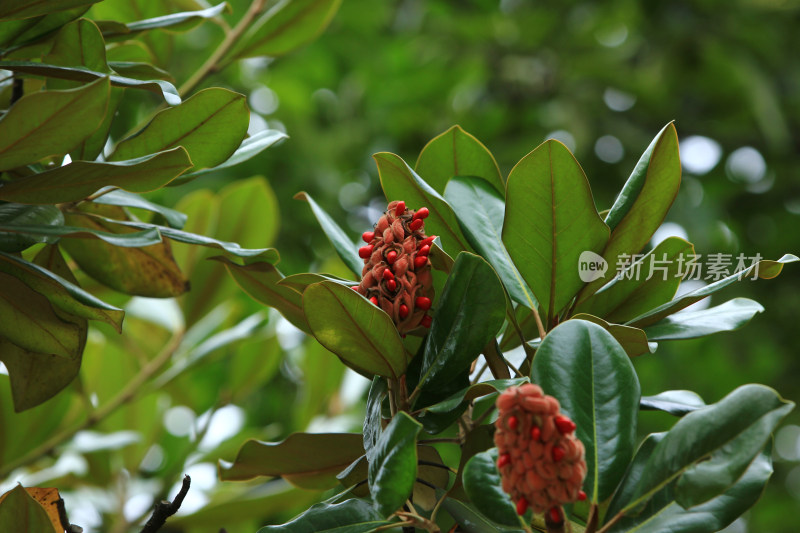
(164, 510)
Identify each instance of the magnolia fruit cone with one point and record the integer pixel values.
(541, 462)
(397, 272)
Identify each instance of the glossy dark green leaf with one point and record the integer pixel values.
(61, 292)
(728, 316)
(50, 123)
(20, 512)
(260, 281)
(457, 153)
(122, 198)
(250, 147)
(357, 331)
(210, 126)
(763, 269)
(664, 515)
(550, 220)
(163, 88)
(286, 26)
(643, 202)
(306, 460)
(646, 283)
(22, 9)
(468, 315)
(480, 209)
(342, 244)
(399, 182)
(471, 520)
(749, 413)
(393, 470)
(674, 402)
(484, 488)
(373, 426)
(633, 340)
(351, 516)
(26, 215)
(79, 179)
(592, 377)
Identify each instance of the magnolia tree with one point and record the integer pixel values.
(498, 320)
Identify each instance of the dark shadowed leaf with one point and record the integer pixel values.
(22, 9)
(457, 153)
(728, 316)
(352, 516)
(26, 215)
(30, 29)
(483, 486)
(50, 123)
(393, 470)
(349, 325)
(121, 198)
(550, 220)
(342, 244)
(373, 420)
(471, 520)
(592, 377)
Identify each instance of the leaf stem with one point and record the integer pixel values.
(124, 396)
(212, 64)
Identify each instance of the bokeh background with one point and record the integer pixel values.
(602, 77)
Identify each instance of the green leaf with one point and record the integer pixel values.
(286, 26)
(121, 198)
(731, 431)
(60, 292)
(210, 126)
(93, 145)
(140, 71)
(20, 512)
(342, 244)
(728, 316)
(306, 460)
(351, 516)
(260, 281)
(163, 88)
(359, 333)
(633, 340)
(480, 210)
(31, 29)
(471, 520)
(550, 221)
(26, 215)
(763, 269)
(646, 283)
(48, 233)
(457, 153)
(664, 515)
(50, 123)
(23, 9)
(483, 486)
(250, 147)
(643, 202)
(674, 402)
(77, 44)
(399, 182)
(79, 179)
(28, 320)
(592, 377)
(299, 282)
(373, 420)
(176, 21)
(468, 315)
(393, 470)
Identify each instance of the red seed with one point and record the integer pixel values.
(420, 261)
(422, 213)
(391, 257)
(387, 274)
(522, 506)
(368, 236)
(558, 453)
(403, 311)
(503, 460)
(415, 224)
(391, 285)
(400, 208)
(427, 240)
(555, 515)
(422, 302)
(564, 424)
(513, 422)
(365, 251)
(425, 250)
(374, 300)
(536, 433)
(355, 288)
(426, 321)
(581, 495)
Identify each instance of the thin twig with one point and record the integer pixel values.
(64, 520)
(164, 510)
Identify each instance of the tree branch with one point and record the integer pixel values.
(164, 510)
